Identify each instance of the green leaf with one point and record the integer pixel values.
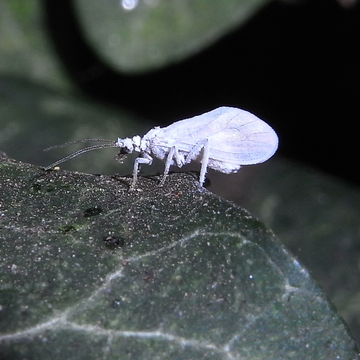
(25, 49)
(137, 35)
(34, 117)
(153, 34)
(90, 270)
(317, 217)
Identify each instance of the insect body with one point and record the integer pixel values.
(223, 139)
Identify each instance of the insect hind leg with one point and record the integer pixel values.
(204, 146)
(169, 159)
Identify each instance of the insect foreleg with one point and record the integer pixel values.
(193, 154)
(143, 159)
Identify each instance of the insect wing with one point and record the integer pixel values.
(235, 137)
(183, 134)
(239, 137)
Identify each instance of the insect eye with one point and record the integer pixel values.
(124, 151)
(122, 155)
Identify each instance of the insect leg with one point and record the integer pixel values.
(204, 162)
(195, 150)
(142, 159)
(167, 165)
(193, 154)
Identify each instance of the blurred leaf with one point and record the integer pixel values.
(25, 48)
(188, 275)
(34, 117)
(136, 35)
(153, 33)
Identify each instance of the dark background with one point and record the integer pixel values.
(295, 64)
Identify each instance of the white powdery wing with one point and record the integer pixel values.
(236, 137)
(196, 126)
(239, 137)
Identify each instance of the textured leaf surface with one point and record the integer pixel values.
(317, 218)
(91, 271)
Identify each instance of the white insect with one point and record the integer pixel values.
(223, 139)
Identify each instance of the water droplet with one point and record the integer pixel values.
(129, 4)
(116, 303)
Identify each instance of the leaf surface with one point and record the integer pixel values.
(92, 271)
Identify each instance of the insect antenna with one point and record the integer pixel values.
(108, 144)
(105, 141)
